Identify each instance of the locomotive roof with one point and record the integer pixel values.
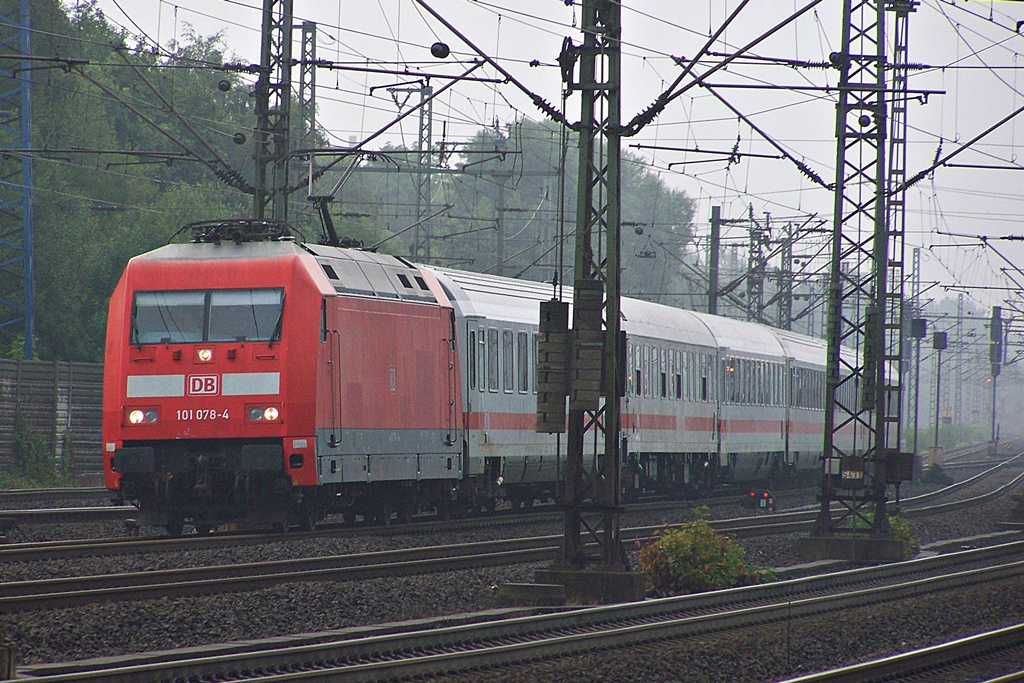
(191, 251)
(367, 273)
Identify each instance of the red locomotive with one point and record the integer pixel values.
(242, 384)
(253, 379)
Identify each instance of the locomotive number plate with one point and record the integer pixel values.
(204, 415)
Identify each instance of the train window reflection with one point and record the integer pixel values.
(205, 316)
(168, 317)
(245, 314)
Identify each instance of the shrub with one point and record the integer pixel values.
(33, 460)
(934, 474)
(694, 558)
(901, 532)
(899, 528)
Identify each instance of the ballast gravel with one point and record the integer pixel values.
(765, 654)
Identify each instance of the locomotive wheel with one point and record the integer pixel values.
(203, 529)
(404, 513)
(309, 515)
(175, 527)
(384, 512)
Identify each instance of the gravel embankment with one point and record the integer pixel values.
(766, 654)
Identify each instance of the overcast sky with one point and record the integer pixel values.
(968, 51)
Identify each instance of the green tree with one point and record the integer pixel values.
(95, 209)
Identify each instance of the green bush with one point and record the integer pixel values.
(901, 532)
(694, 558)
(898, 527)
(33, 460)
(69, 461)
(934, 474)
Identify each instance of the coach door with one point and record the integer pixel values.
(716, 379)
(786, 389)
(329, 334)
(450, 355)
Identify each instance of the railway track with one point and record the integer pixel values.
(540, 512)
(438, 649)
(44, 513)
(66, 549)
(74, 591)
(33, 497)
(991, 657)
(121, 545)
(66, 592)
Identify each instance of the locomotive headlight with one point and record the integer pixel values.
(262, 413)
(205, 355)
(139, 416)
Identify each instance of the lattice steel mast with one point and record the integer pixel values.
(863, 379)
(273, 105)
(592, 497)
(307, 85)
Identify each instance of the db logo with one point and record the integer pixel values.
(202, 384)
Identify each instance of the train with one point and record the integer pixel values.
(252, 379)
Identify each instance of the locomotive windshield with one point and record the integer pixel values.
(207, 316)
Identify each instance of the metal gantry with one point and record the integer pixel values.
(307, 85)
(863, 382)
(17, 310)
(273, 107)
(592, 495)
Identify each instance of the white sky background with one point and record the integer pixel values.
(971, 44)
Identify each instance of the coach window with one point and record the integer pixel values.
(647, 370)
(492, 359)
(523, 351)
(533, 364)
(757, 382)
(481, 359)
(706, 363)
(664, 374)
(678, 375)
(472, 359)
(747, 370)
(637, 375)
(508, 364)
(689, 376)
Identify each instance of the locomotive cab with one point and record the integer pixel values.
(199, 424)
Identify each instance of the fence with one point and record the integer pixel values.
(62, 403)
